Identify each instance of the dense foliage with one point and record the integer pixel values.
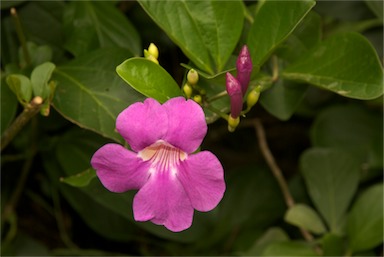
(68, 68)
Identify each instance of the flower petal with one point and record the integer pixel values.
(163, 201)
(186, 124)
(119, 169)
(142, 124)
(202, 177)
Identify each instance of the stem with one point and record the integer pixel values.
(29, 111)
(20, 35)
(217, 96)
(277, 173)
(275, 68)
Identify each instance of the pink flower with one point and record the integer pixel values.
(172, 181)
(233, 88)
(244, 68)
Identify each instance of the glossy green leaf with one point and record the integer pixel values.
(21, 86)
(8, 106)
(91, 94)
(352, 128)
(81, 179)
(365, 221)
(332, 178)
(206, 31)
(273, 22)
(305, 217)
(90, 25)
(40, 77)
(289, 248)
(148, 78)
(345, 64)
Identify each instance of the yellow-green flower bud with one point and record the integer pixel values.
(233, 123)
(153, 59)
(253, 97)
(198, 99)
(152, 50)
(187, 90)
(192, 77)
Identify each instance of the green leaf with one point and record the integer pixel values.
(332, 245)
(206, 31)
(290, 248)
(148, 78)
(332, 178)
(81, 179)
(8, 106)
(352, 128)
(40, 77)
(90, 25)
(38, 54)
(90, 93)
(273, 234)
(365, 221)
(377, 8)
(21, 86)
(305, 217)
(345, 63)
(274, 21)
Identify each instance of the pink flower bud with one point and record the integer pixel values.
(244, 68)
(235, 94)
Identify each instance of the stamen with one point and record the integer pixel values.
(163, 156)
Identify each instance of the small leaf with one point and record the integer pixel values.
(21, 86)
(365, 221)
(40, 77)
(81, 179)
(289, 248)
(148, 78)
(345, 63)
(206, 31)
(305, 217)
(333, 245)
(274, 21)
(273, 234)
(331, 177)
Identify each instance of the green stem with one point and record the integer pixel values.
(20, 35)
(29, 111)
(217, 96)
(216, 111)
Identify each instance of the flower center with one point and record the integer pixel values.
(163, 156)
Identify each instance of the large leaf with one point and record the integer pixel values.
(332, 178)
(365, 221)
(351, 128)
(90, 25)
(148, 78)
(206, 31)
(345, 63)
(274, 21)
(91, 94)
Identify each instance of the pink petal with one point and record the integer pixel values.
(186, 124)
(118, 169)
(163, 201)
(142, 124)
(202, 177)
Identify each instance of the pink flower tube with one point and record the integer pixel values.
(244, 68)
(170, 179)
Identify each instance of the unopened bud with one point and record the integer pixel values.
(253, 97)
(187, 90)
(198, 99)
(233, 123)
(152, 50)
(234, 91)
(153, 59)
(244, 68)
(192, 77)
